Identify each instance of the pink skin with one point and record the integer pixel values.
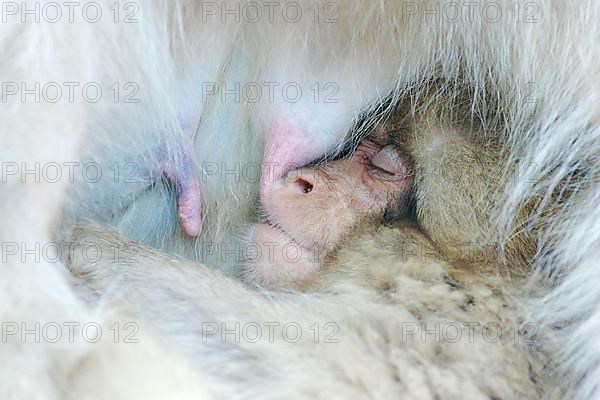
(287, 147)
(184, 176)
(312, 209)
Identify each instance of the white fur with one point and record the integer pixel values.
(369, 53)
(368, 342)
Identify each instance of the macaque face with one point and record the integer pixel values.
(316, 206)
(312, 209)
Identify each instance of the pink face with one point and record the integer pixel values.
(311, 209)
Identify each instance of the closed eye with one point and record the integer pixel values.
(375, 171)
(368, 162)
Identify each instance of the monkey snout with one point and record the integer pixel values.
(300, 181)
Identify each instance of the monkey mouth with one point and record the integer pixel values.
(289, 239)
(274, 225)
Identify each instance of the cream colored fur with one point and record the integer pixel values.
(544, 74)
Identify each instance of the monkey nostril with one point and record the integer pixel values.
(305, 186)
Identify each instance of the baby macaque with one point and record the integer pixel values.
(311, 210)
(427, 318)
(423, 322)
(441, 160)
